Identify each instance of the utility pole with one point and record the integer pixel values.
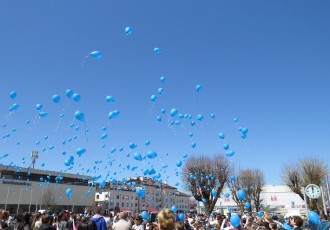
(34, 157)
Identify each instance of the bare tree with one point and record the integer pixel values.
(251, 181)
(258, 183)
(307, 170)
(204, 174)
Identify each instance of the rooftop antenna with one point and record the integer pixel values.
(34, 157)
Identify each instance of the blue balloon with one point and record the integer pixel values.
(230, 209)
(110, 99)
(15, 106)
(68, 192)
(137, 156)
(204, 200)
(162, 79)
(292, 203)
(153, 98)
(114, 114)
(232, 178)
(225, 146)
(244, 131)
(235, 119)
(56, 98)
(235, 220)
(192, 123)
(174, 112)
(96, 54)
(198, 88)
(12, 94)
(43, 114)
(181, 216)
(214, 193)
(147, 142)
(144, 215)
(132, 145)
(79, 116)
(160, 90)
(199, 117)
(179, 163)
(103, 184)
(193, 144)
(313, 217)
(157, 50)
(39, 106)
(104, 136)
(221, 135)
(76, 97)
(159, 118)
(260, 214)
(152, 154)
(128, 30)
(174, 208)
(80, 151)
(69, 93)
(247, 205)
(227, 195)
(230, 153)
(212, 115)
(241, 194)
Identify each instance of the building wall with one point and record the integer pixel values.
(277, 198)
(155, 199)
(33, 195)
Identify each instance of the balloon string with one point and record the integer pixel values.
(152, 107)
(84, 61)
(85, 132)
(58, 124)
(66, 106)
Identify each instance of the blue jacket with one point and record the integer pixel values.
(100, 222)
(323, 225)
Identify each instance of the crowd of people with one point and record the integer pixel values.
(166, 220)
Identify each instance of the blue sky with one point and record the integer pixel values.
(264, 62)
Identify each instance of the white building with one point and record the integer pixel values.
(278, 199)
(157, 196)
(26, 189)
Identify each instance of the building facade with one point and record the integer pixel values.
(119, 196)
(277, 199)
(26, 189)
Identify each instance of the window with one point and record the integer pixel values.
(135, 205)
(97, 196)
(106, 196)
(127, 205)
(122, 205)
(117, 197)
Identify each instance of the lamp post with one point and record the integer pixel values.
(34, 157)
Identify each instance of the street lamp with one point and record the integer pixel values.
(34, 157)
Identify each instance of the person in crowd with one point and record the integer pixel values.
(273, 226)
(138, 223)
(132, 220)
(99, 219)
(46, 223)
(36, 221)
(86, 224)
(179, 225)
(166, 220)
(278, 223)
(122, 223)
(63, 220)
(297, 222)
(108, 220)
(4, 216)
(324, 223)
